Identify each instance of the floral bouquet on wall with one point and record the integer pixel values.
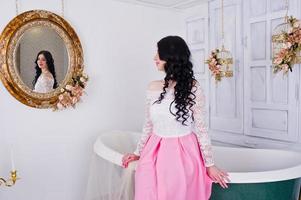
(290, 41)
(72, 92)
(215, 65)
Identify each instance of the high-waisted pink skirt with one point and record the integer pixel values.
(172, 168)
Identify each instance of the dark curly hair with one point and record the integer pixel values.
(50, 64)
(178, 68)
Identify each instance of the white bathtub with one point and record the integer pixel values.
(244, 165)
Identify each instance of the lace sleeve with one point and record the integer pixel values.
(201, 128)
(147, 126)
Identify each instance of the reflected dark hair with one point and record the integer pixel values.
(174, 50)
(50, 64)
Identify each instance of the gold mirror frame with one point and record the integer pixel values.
(8, 42)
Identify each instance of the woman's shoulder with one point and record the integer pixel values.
(155, 85)
(48, 75)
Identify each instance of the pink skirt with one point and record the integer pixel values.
(172, 168)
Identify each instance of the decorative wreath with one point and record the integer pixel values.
(215, 64)
(288, 55)
(71, 94)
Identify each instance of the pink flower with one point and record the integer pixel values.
(61, 97)
(65, 99)
(282, 53)
(77, 91)
(60, 106)
(277, 61)
(216, 71)
(74, 100)
(213, 62)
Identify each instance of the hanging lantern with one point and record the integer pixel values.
(286, 44)
(220, 60)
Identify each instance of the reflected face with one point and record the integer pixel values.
(42, 63)
(159, 63)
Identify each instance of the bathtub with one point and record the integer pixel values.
(255, 174)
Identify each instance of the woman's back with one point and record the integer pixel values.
(163, 121)
(44, 83)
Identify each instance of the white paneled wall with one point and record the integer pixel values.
(53, 149)
(255, 108)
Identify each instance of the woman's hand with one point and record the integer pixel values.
(218, 175)
(129, 157)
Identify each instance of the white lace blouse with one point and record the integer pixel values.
(44, 83)
(160, 121)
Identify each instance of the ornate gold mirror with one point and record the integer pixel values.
(40, 54)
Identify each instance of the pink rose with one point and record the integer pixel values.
(277, 61)
(60, 106)
(77, 91)
(65, 99)
(74, 100)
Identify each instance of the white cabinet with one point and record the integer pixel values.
(255, 108)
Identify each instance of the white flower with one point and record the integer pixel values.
(82, 79)
(68, 87)
(284, 67)
(296, 24)
(288, 45)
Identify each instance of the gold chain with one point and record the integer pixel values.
(17, 7)
(223, 33)
(63, 7)
(286, 13)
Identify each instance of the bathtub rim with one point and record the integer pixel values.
(236, 177)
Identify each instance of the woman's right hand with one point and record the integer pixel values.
(127, 158)
(218, 176)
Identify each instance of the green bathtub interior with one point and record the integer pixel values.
(280, 190)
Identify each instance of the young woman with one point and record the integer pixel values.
(45, 79)
(174, 151)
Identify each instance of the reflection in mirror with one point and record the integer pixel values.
(41, 59)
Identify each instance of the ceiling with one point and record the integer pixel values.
(172, 4)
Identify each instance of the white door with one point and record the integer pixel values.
(226, 97)
(270, 100)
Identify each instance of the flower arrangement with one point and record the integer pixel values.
(72, 92)
(215, 64)
(288, 54)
